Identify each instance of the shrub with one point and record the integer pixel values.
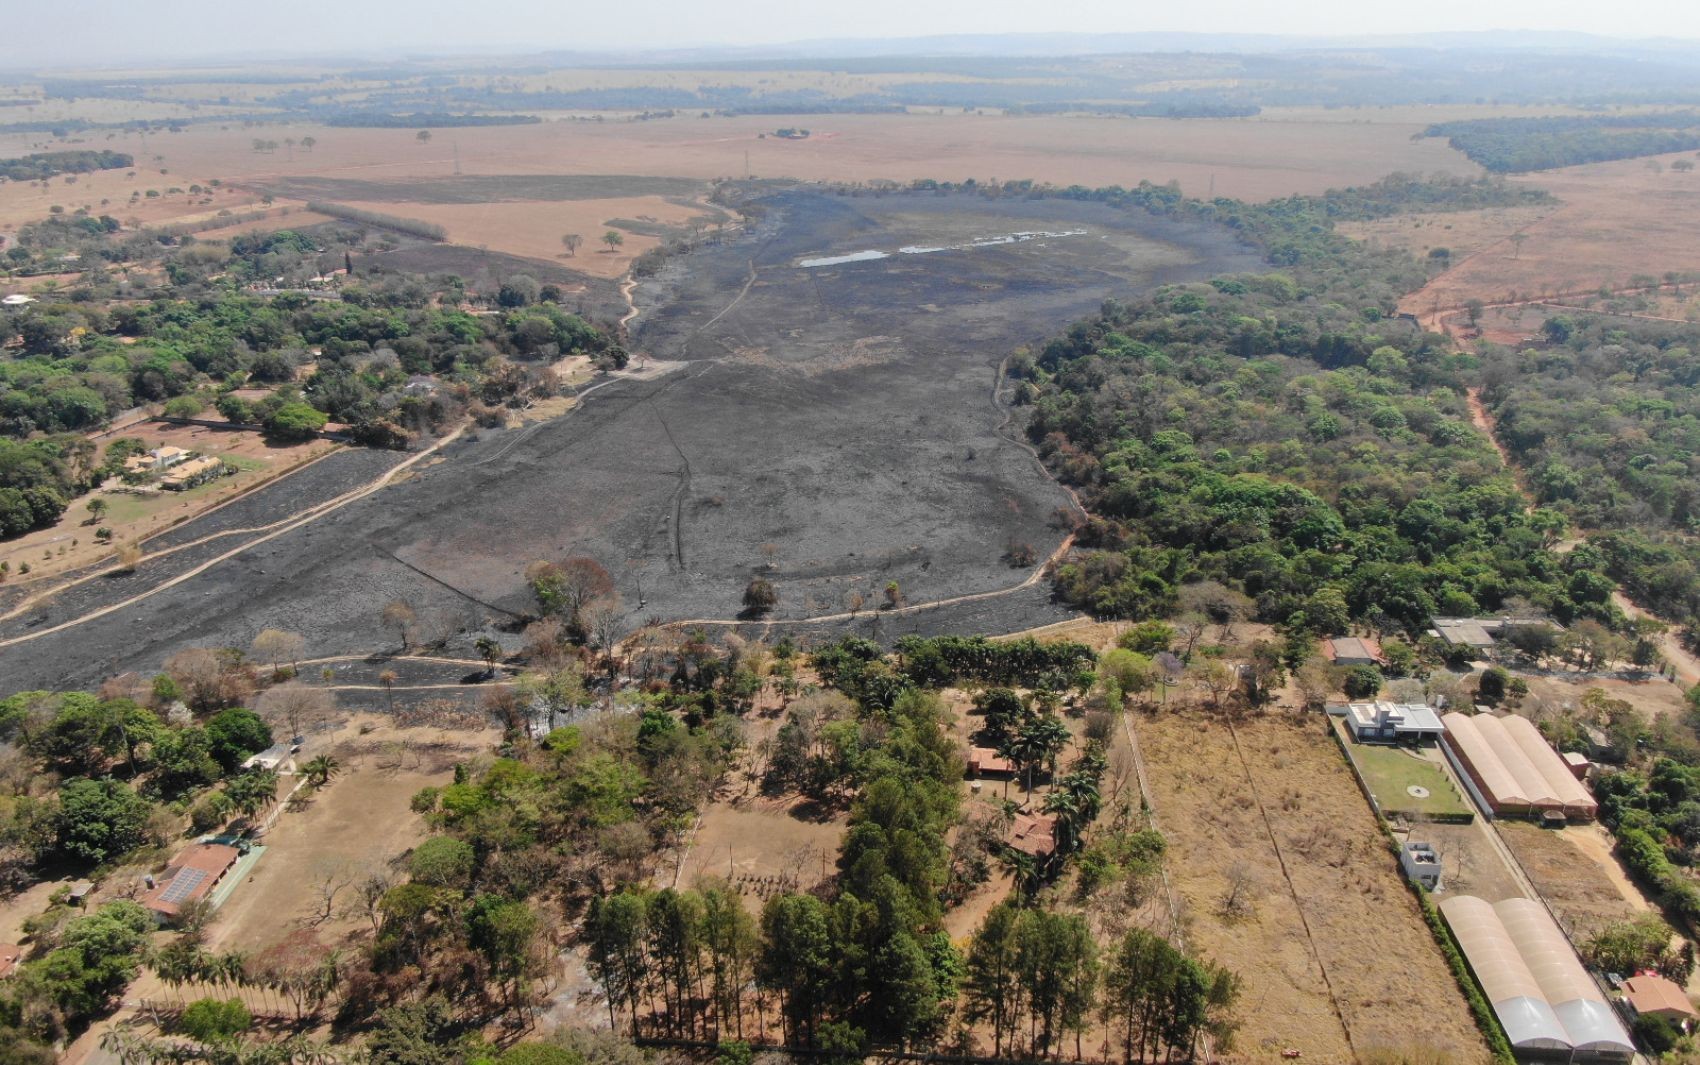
(212, 1020)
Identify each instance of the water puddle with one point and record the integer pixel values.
(922, 249)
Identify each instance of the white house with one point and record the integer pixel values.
(1383, 722)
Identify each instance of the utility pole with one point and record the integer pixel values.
(746, 164)
(456, 146)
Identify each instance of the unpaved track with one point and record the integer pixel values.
(837, 437)
(313, 515)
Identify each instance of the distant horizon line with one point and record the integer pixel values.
(1038, 44)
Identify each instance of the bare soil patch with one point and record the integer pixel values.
(1315, 966)
(1576, 873)
(360, 822)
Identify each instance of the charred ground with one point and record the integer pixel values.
(832, 427)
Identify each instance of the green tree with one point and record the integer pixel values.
(613, 238)
(617, 930)
(100, 820)
(797, 962)
(993, 985)
(319, 770)
(443, 862)
(234, 734)
(294, 421)
(212, 1020)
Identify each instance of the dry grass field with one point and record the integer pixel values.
(1616, 220)
(1273, 155)
(1311, 942)
(1576, 874)
(360, 822)
(533, 229)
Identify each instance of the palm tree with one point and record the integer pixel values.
(1026, 749)
(388, 678)
(320, 770)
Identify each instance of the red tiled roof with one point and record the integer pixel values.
(190, 877)
(1652, 993)
(1033, 834)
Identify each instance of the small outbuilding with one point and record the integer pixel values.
(1421, 863)
(1353, 651)
(986, 762)
(1653, 995)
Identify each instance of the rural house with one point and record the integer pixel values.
(983, 762)
(1652, 995)
(1383, 722)
(192, 876)
(1034, 835)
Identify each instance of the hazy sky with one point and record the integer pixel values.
(163, 30)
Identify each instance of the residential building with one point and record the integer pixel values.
(1384, 722)
(1653, 995)
(192, 876)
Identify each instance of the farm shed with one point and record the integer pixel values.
(1421, 863)
(190, 877)
(1382, 722)
(984, 761)
(1481, 634)
(1512, 771)
(1549, 1006)
(1353, 651)
(1652, 994)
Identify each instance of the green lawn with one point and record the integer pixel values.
(1389, 771)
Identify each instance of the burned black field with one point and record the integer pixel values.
(832, 427)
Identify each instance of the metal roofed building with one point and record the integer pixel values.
(1480, 634)
(1511, 770)
(1549, 1006)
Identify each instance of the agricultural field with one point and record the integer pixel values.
(1576, 873)
(1616, 221)
(1275, 857)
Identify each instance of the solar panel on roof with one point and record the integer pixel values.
(183, 885)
